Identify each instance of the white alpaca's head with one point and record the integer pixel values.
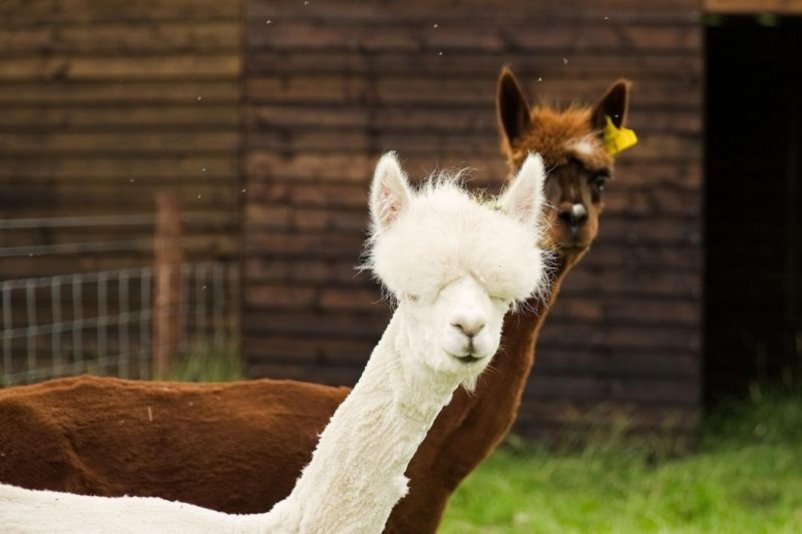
(455, 264)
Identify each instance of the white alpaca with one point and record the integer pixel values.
(455, 266)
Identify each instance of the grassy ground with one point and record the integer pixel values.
(207, 364)
(745, 477)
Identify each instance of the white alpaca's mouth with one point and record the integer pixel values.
(467, 358)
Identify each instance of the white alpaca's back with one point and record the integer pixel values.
(26, 511)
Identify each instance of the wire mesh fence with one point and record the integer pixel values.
(103, 322)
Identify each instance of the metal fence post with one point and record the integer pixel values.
(168, 258)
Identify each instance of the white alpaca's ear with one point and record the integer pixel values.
(523, 199)
(389, 193)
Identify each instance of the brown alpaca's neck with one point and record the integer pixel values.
(491, 410)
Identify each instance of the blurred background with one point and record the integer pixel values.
(189, 178)
(183, 190)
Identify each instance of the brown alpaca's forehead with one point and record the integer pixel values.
(561, 137)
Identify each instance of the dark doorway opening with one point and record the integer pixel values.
(753, 198)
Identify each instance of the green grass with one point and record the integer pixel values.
(204, 363)
(745, 477)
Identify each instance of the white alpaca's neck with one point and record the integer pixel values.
(356, 475)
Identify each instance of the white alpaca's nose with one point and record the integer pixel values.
(470, 325)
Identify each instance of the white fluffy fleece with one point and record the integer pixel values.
(421, 242)
(465, 237)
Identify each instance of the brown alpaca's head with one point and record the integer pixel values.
(571, 142)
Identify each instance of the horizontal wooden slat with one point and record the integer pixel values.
(597, 416)
(20, 12)
(120, 36)
(586, 336)
(76, 143)
(70, 167)
(311, 246)
(17, 238)
(603, 363)
(334, 90)
(476, 12)
(680, 392)
(331, 374)
(51, 120)
(591, 64)
(326, 353)
(538, 37)
(119, 93)
(79, 69)
(780, 7)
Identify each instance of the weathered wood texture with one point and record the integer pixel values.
(329, 86)
(780, 7)
(105, 104)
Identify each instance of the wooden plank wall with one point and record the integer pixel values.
(330, 85)
(102, 104)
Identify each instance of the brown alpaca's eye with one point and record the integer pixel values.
(599, 181)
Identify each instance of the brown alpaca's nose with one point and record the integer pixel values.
(574, 215)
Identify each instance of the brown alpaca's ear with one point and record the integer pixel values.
(513, 111)
(614, 104)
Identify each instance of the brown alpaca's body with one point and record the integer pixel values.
(239, 447)
(234, 447)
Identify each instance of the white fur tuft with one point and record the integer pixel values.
(585, 146)
(498, 247)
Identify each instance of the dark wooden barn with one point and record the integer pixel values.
(273, 113)
(331, 85)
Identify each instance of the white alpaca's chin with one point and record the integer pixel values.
(465, 367)
(480, 347)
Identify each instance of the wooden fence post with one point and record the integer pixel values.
(168, 258)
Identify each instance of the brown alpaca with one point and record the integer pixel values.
(467, 431)
(239, 447)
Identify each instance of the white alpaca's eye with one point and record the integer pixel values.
(413, 298)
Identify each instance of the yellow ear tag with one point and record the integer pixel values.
(617, 139)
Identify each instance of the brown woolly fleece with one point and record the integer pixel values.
(239, 447)
(236, 447)
(554, 133)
